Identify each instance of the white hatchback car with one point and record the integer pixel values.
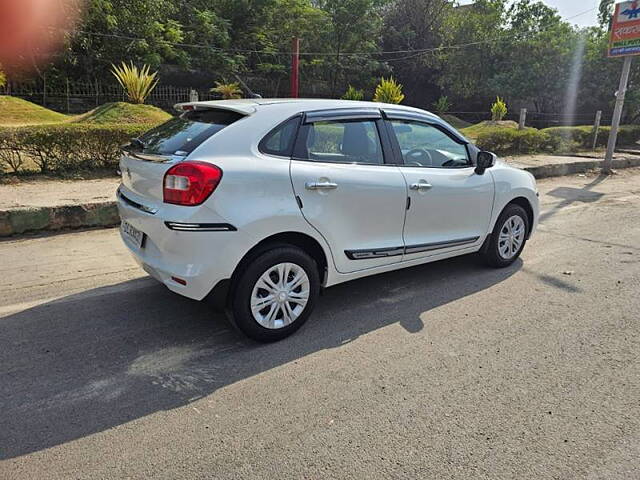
(258, 204)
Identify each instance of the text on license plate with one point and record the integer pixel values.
(133, 234)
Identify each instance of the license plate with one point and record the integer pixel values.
(133, 234)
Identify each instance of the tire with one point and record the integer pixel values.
(284, 310)
(502, 252)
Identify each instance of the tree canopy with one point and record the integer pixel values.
(520, 50)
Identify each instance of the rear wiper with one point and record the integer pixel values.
(136, 142)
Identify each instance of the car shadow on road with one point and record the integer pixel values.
(92, 361)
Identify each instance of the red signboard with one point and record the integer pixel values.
(625, 30)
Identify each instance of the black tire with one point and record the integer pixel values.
(242, 289)
(490, 252)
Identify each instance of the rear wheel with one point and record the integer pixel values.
(508, 238)
(275, 294)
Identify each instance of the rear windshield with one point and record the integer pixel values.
(181, 135)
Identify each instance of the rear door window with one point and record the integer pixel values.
(181, 135)
(343, 141)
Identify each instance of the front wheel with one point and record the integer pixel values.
(508, 238)
(275, 294)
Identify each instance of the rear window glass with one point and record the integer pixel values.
(181, 135)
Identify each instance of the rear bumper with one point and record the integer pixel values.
(175, 246)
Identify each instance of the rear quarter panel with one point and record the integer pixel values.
(255, 193)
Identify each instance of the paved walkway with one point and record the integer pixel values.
(36, 205)
(56, 193)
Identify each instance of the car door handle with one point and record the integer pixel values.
(421, 186)
(320, 186)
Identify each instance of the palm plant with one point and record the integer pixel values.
(388, 91)
(498, 110)
(353, 93)
(442, 105)
(137, 83)
(228, 90)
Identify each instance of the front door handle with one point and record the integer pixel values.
(320, 186)
(421, 185)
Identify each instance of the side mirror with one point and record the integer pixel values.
(485, 160)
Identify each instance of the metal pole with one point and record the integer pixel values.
(68, 109)
(617, 115)
(295, 66)
(596, 128)
(523, 118)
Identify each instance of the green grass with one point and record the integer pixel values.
(474, 131)
(124, 113)
(17, 112)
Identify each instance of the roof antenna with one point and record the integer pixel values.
(249, 91)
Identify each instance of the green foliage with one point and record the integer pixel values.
(605, 12)
(124, 113)
(581, 137)
(228, 90)
(137, 83)
(388, 91)
(353, 93)
(442, 105)
(506, 141)
(11, 156)
(65, 147)
(511, 141)
(16, 111)
(3, 77)
(498, 110)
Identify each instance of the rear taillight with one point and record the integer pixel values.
(190, 183)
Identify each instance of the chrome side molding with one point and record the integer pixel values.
(408, 250)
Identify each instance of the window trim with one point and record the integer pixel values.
(349, 116)
(397, 151)
(261, 143)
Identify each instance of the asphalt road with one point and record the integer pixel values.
(449, 370)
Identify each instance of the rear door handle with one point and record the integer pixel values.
(421, 185)
(321, 185)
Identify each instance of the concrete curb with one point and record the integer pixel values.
(561, 169)
(28, 220)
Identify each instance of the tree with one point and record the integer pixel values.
(354, 26)
(605, 12)
(465, 72)
(416, 25)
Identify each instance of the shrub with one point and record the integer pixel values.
(65, 147)
(581, 137)
(388, 91)
(228, 90)
(11, 156)
(442, 105)
(506, 141)
(353, 93)
(498, 110)
(137, 83)
(3, 77)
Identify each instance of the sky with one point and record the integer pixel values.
(571, 8)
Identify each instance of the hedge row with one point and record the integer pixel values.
(64, 147)
(507, 141)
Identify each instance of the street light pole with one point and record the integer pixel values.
(617, 115)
